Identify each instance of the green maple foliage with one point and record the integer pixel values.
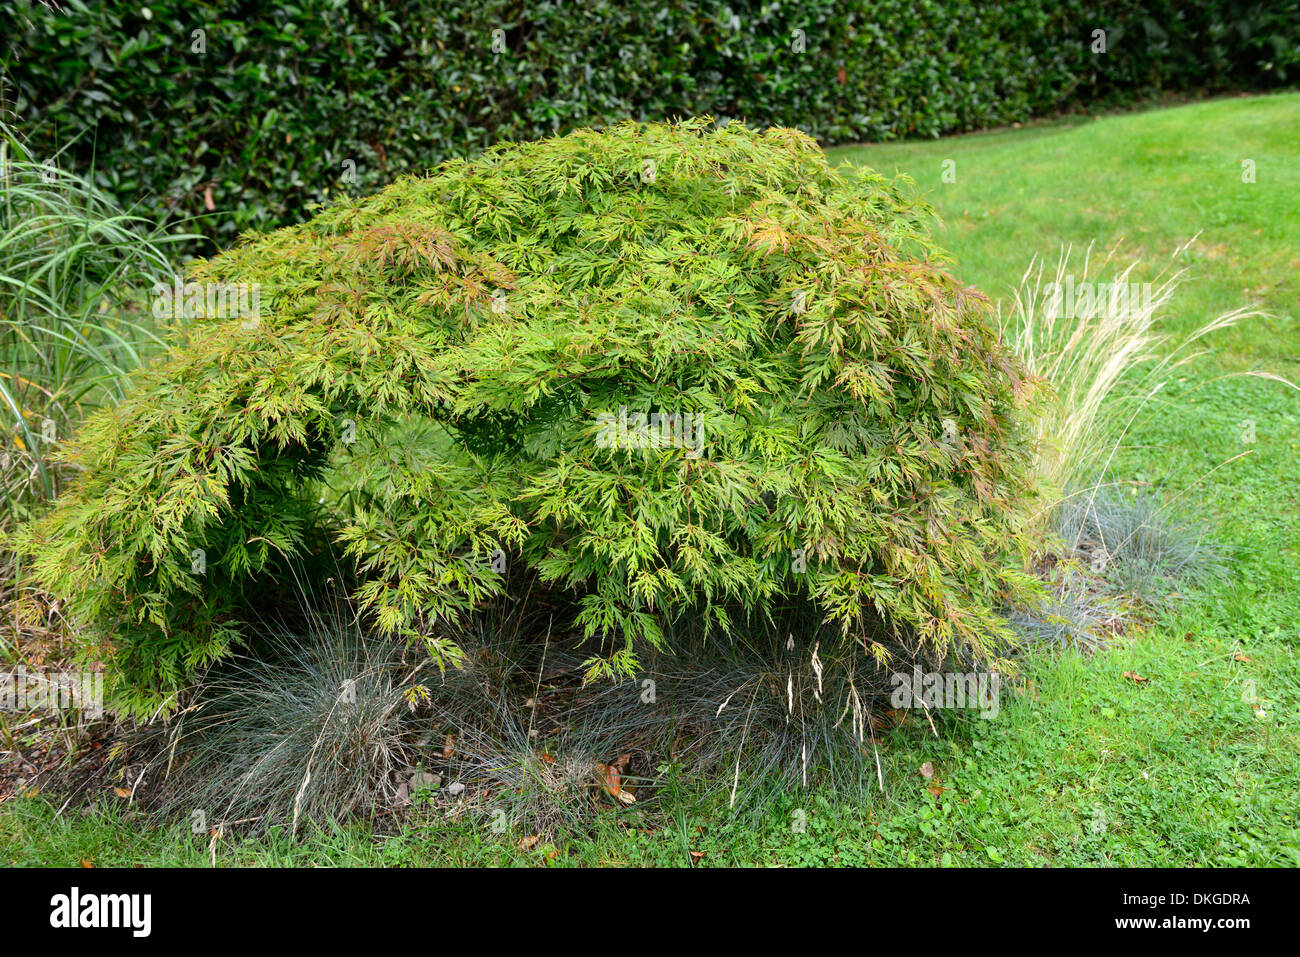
(672, 369)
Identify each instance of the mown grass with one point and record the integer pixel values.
(1197, 765)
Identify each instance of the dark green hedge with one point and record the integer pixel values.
(265, 121)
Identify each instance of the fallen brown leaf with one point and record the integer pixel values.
(1137, 678)
(614, 783)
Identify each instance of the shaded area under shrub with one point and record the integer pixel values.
(325, 724)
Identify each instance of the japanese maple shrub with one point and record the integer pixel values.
(674, 370)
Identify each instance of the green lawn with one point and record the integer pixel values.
(1090, 768)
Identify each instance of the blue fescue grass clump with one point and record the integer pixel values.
(1143, 545)
(1079, 615)
(311, 726)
